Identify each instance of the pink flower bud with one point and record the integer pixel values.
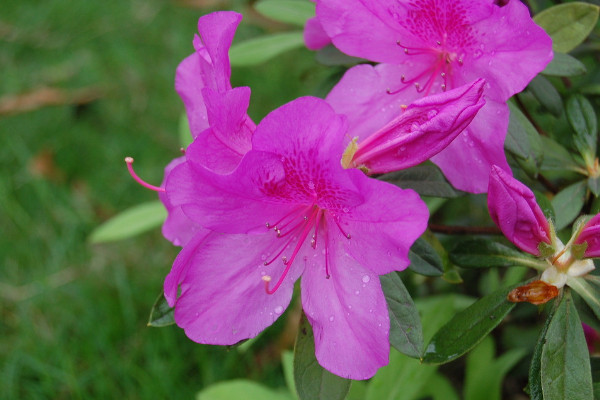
(590, 234)
(513, 208)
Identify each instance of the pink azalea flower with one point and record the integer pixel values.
(514, 209)
(422, 130)
(430, 46)
(590, 234)
(291, 210)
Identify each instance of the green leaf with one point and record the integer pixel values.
(545, 205)
(584, 122)
(522, 139)
(436, 311)
(259, 50)
(313, 382)
(131, 222)
(589, 290)
(406, 333)
(403, 378)
(293, 12)
(564, 65)
(484, 253)
(185, 135)
(424, 259)
(427, 180)
(568, 24)
(546, 94)
(358, 390)
(534, 386)
(467, 328)
(556, 157)
(241, 389)
(567, 204)
(565, 362)
(161, 314)
(287, 363)
(331, 56)
(594, 185)
(438, 387)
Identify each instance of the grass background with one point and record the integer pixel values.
(73, 315)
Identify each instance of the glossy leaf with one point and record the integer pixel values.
(161, 314)
(313, 382)
(483, 253)
(406, 333)
(567, 204)
(424, 259)
(546, 94)
(131, 222)
(568, 24)
(589, 290)
(564, 65)
(584, 122)
(241, 389)
(556, 157)
(565, 362)
(467, 328)
(293, 12)
(261, 49)
(534, 386)
(522, 139)
(427, 180)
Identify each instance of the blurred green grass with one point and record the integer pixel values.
(73, 316)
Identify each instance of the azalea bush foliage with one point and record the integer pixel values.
(448, 173)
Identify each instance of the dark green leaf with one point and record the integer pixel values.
(424, 259)
(427, 180)
(293, 12)
(565, 362)
(261, 49)
(241, 389)
(534, 387)
(161, 313)
(406, 333)
(522, 139)
(582, 118)
(545, 204)
(438, 387)
(546, 94)
(484, 253)
(313, 382)
(594, 185)
(589, 290)
(564, 65)
(567, 204)
(131, 222)
(467, 328)
(568, 24)
(556, 157)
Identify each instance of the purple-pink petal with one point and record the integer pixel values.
(348, 314)
(591, 235)
(514, 209)
(315, 37)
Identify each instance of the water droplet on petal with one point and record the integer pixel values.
(331, 318)
(345, 209)
(414, 127)
(311, 185)
(278, 309)
(431, 113)
(366, 278)
(357, 292)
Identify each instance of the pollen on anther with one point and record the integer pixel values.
(348, 236)
(405, 50)
(268, 225)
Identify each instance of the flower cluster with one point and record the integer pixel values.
(257, 207)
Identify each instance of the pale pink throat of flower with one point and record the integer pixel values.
(298, 224)
(129, 162)
(441, 67)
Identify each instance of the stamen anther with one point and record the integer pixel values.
(129, 162)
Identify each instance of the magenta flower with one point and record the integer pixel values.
(590, 234)
(422, 130)
(291, 210)
(514, 209)
(431, 46)
(592, 338)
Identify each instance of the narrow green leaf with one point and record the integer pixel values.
(467, 328)
(584, 122)
(534, 386)
(161, 314)
(403, 378)
(565, 362)
(545, 204)
(556, 157)
(436, 311)
(131, 222)
(287, 363)
(241, 389)
(424, 259)
(594, 185)
(427, 180)
(522, 139)
(313, 382)
(406, 333)
(484, 253)
(546, 94)
(567, 204)
(568, 24)
(185, 135)
(294, 12)
(589, 290)
(564, 65)
(256, 51)
(438, 387)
